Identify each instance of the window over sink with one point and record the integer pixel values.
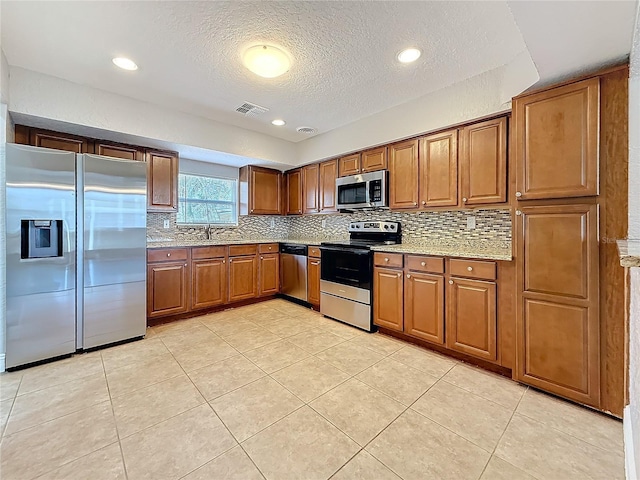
(207, 200)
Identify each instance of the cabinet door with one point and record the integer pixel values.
(313, 281)
(327, 196)
(243, 278)
(439, 169)
(310, 179)
(350, 165)
(162, 181)
(387, 298)
(294, 192)
(59, 141)
(403, 175)
(556, 141)
(424, 306)
(557, 318)
(208, 282)
(471, 318)
(264, 188)
(374, 159)
(166, 288)
(116, 150)
(269, 269)
(483, 162)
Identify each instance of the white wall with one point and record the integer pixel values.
(632, 413)
(38, 95)
(195, 167)
(3, 244)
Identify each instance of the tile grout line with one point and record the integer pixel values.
(13, 402)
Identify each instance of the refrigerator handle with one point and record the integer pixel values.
(79, 251)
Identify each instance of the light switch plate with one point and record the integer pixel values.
(324, 223)
(166, 224)
(471, 222)
(273, 222)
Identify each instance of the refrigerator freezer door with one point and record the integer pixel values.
(41, 317)
(114, 257)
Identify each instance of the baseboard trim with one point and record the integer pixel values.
(629, 450)
(2, 363)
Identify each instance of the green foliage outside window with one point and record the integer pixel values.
(207, 200)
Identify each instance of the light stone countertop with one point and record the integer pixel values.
(213, 242)
(454, 248)
(629, 251)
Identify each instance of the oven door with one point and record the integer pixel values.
(346, 266)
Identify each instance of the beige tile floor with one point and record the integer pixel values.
(276, 391)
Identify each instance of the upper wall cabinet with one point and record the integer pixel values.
(54, 140)
(403, 174)
(118, 150)
(350, 165)
(483, 162)
(162, 181)
(373, 160)
(327, 192)
(556, 141)
(294, 192)
(260, 191)
(438, 169)
(310, 179)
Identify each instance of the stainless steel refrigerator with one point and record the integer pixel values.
(76, 252)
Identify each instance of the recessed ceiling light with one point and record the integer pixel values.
(125, 63)
(279, 123)
(266, 61)
(409, 55)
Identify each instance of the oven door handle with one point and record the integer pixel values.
(356, 251)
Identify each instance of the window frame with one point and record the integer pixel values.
(211, 224)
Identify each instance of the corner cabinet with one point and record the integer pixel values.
(260, 191)
(556, 141)
(162, 181)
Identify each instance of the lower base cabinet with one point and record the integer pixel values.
(472, 318)
(387, 298)
(424, 306)
(313, 281)
(243, 278)
(269, 269)
(166, 288)
(208, 283)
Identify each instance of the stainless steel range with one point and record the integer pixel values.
(346, 274)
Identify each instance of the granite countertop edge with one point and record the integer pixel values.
(629, 252)
(213, 243)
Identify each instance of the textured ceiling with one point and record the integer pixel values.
(189, 53)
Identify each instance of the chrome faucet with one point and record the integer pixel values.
(207, 232)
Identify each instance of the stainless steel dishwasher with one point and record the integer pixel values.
(293, 270)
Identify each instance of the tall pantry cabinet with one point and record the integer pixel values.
(568, 145)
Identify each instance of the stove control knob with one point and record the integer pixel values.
(386, 227)
(392, 227)
(357, 226)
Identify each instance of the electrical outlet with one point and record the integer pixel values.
(166, 224)
(471, 222)
(273, 222)
(324, 223)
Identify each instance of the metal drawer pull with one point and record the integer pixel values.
(470, 269)
(168, 254)
(386, 259)
(464, 199)
(315, 263)
(450, 282)
(269, 248)
(261, 258)
(518, 194)
(408, 276)
(424, 264)
(518, 212)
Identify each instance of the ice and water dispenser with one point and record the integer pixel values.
(41, 238)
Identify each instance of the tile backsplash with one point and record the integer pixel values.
(491, 225)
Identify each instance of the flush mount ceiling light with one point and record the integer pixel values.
(125, 63)
(278, 123)
(409, 55)
(266, 61)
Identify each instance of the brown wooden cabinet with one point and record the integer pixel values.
(472, 318)
(403, 175)
(162, 181)
(438, 169)
(208, 277)
(349, 165)
(167, 281)
(294, 192)
(557, 319)
(556, 141)
(313, 281)
(374, 159)
(54, 140)
(118, 150)
(243, 277)
(260, 191)
(269, 269)
(388, 298)
(327, 192)
(483, 162)
(424, 306)
(310, 187)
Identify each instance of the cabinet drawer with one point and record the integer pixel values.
(382, 259)
(314, 252)
(419, 263)
(166, 254)
(268, 248)
(237, 250)
(207, 252)
(473, 269)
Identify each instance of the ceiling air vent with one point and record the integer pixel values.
(250, 109)
(306, 130)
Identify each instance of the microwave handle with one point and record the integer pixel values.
(367, 197)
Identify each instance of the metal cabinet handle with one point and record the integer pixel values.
(470, 269)
(424, 202)
(185, 264)
(230, 260)
(168, 254)
(315, 263)
(224, 261)
(415, 203)
(450, 282)
(464, 199)
(261, 258)
(518, 212)
(399, 275)
(269, 248)
(408, 276)
(424, 264)
(518, 194)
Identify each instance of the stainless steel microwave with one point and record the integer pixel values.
(366, 190)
